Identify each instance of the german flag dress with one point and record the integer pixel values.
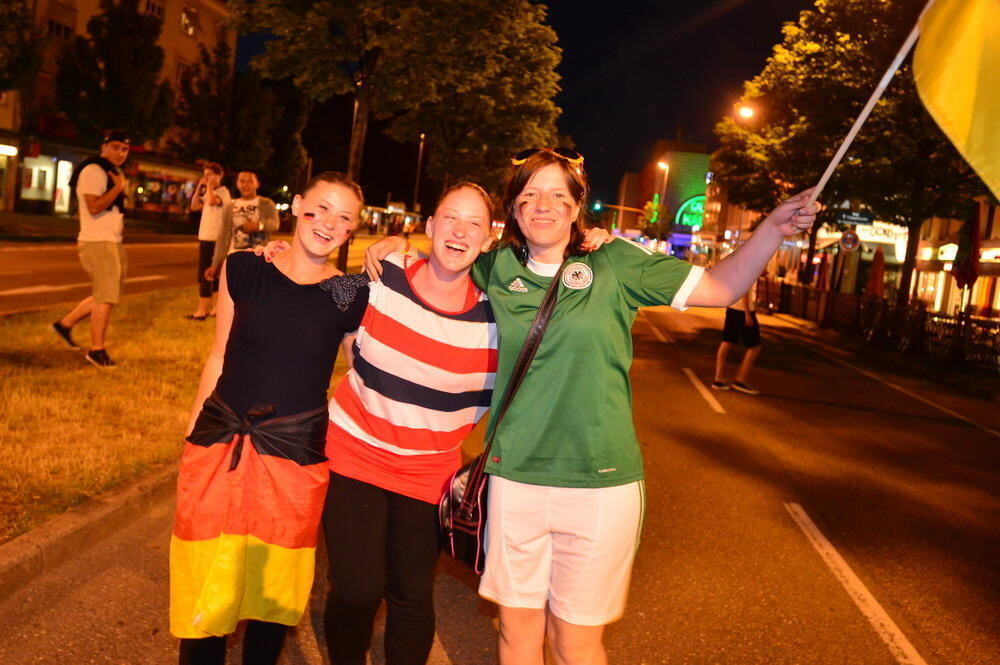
(253, 475)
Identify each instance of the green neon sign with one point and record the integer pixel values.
(691, 213)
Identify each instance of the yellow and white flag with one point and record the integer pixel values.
(957, 69)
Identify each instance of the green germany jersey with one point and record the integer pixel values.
(570, 424)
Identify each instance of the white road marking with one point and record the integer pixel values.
(709, 397)
(44, 288)
(899, 646)
(876, 377)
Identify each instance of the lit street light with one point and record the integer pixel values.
(746, 112)
(416, 180)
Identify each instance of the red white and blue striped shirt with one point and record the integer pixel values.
(422, 378)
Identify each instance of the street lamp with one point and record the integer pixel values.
(746, 112)
(663, 166)
(416, 180)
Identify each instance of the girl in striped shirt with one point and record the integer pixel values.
(422, 377)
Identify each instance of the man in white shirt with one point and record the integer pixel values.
(211, 198)
(100, 192)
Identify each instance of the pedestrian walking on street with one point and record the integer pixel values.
(741, 326)
(566, 494)
(100, 193)
(210, 199)
(253, 475)
(246, 222)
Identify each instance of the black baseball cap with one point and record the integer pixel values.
(116, 135)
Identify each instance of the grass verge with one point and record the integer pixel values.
(69, 431)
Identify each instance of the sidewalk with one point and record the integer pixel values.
(970, 382)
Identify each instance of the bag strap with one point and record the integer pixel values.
(531, 343)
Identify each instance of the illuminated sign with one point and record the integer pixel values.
(691, 213)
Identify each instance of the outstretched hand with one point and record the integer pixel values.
(594, 238)
(271, 249)
(375, 252)
(793, 215)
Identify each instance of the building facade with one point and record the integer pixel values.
(39, 147)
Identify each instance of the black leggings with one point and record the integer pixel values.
(261, 646)
(381, 545)
(206, 252)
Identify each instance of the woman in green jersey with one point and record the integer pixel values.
(566, 490)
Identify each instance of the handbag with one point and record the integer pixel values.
(462, 507)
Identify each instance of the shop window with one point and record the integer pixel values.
(190, 23)
(37, 178)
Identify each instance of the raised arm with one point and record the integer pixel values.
(213, 364)
(725, 282)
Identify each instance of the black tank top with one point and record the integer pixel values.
(285, 335)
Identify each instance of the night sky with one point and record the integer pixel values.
(633, 71)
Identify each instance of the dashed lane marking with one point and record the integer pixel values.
(45, 288)
(900, 647)
(705, 392)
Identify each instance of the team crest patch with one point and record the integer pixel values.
(577, 276)
(517, 286)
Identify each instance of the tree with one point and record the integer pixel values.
(223, 115)
(111, 79)
(506, 104)
(19, 47)
(390, 55)
(288, 155)
(807, 96)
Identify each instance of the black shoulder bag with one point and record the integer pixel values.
(462, 508)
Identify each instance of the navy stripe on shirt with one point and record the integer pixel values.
(401, 390)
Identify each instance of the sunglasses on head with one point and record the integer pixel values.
(567, 154)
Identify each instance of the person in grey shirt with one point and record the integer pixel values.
(246, 222)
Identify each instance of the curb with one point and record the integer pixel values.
(31, 555)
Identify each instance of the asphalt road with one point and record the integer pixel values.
(33, 276)
(842, 517)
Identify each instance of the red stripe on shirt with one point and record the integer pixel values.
(402, 437)
(444, 356)
(422, 477)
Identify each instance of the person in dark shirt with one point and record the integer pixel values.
(253, 475)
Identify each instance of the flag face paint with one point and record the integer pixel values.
(957, 70)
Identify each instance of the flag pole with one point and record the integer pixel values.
(867, 110)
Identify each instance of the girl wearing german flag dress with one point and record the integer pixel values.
(253, 475)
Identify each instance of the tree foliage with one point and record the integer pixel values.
(111, 78)
(503, 105)
(813, 86)
(224, 116)
(20, 53)
(395, 56)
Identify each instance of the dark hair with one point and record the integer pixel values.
(214, 167)
(335, 178)
(576, 182)
(466, 184)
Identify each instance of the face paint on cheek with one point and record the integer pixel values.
(309, 215)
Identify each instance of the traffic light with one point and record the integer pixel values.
(597, 205)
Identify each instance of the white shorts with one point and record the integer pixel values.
(568, 547)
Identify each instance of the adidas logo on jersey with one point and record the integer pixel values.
(517, 286)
